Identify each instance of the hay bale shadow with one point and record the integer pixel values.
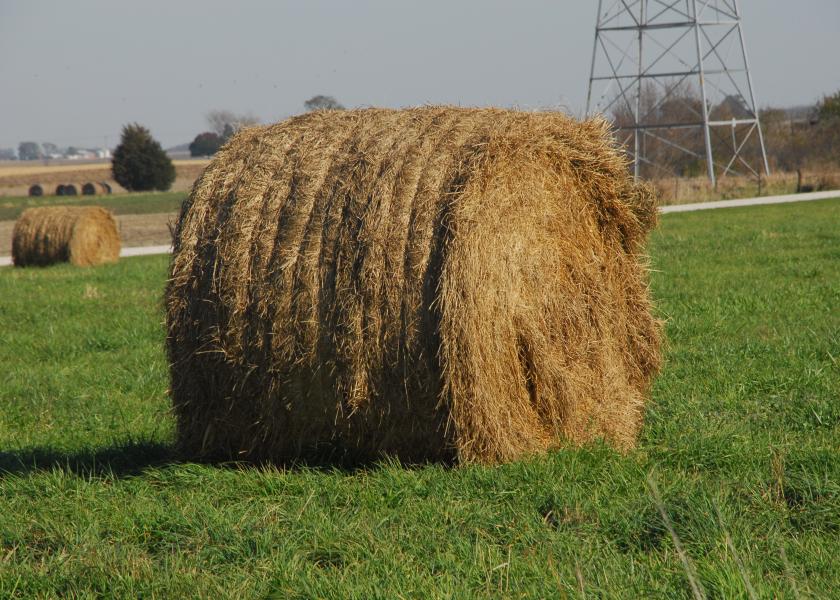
(120, 460)
(133, 458)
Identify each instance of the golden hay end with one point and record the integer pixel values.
(81, 235)
(435, 283)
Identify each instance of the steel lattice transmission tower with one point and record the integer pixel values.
(673, 76)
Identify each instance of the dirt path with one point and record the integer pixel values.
(751, 201)
(135, 230)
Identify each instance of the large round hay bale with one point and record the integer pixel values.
(81, 235)
(434, 283)
(36, 189)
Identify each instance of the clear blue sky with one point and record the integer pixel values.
(73, 72)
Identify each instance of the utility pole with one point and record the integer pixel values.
(674, 76)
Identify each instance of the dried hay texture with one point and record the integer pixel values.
(81, 235)
(435, 283)
(36, 189)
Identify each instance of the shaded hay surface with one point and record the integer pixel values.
(81, 235)
(435, 283)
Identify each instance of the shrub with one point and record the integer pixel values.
(205, 144)
(139, 162)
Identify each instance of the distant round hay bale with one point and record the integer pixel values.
(435, 283)
(95, 188)
(71, 189)
(81, 235)
(36, 189)
(67, 189)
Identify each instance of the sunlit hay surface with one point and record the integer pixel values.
(434, 283)
(81, 235)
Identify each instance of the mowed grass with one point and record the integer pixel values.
(119, 204)
(741, 443)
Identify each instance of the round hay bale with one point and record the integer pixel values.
(95, 188)
(71, 189)
(435, 283)
(81, 235)
(90, 189)
(36, 190)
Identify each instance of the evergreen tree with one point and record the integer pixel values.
(139, 162)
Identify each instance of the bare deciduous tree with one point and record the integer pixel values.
(225, 123)
(675, 142)
(321, 102)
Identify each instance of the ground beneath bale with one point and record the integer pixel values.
(742, 442)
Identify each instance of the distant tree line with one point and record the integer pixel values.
(809, 141)
(223, 124)
(36, 151)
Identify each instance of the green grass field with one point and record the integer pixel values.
(741, 442)
(119, 204)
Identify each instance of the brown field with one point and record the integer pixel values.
(15, 178)
(684, 190)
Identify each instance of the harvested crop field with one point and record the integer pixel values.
(15, 179)
(740, 451)
(142, 219)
